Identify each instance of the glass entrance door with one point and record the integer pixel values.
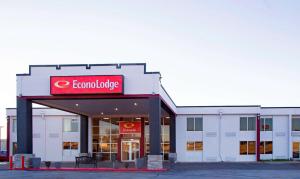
(130, 150)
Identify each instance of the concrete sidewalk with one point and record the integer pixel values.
(290, 165)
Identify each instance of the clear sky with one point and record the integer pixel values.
(225, 52)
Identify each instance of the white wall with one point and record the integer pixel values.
(230, 137)
(219, 144)
(280, 137)
(136, 82)
(210, 138)
(48, 135)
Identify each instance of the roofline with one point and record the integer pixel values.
(280, 107)
(33, 108)
(193, 107)
(168, 95)
(284, 107)
(88, 66)
(219, 106)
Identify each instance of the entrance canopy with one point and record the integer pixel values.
(103, 107)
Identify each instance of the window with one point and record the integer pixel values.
(266, 147)
(194, 146)
(266, 124)
(194, 124)
(243, 124)
(296, 150)
(243, 148)
(14, 125)
(247, 147)
(70, 145)
(165, 137)
(70, 125)
(296, 124)
(105, 134)
(251, 147)
(15, 147)
(248, 123)
(190, 124)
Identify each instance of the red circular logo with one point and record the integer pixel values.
(62, 84)
(128, 125)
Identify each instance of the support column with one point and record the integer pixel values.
(155, 157)
(258, 137)
(84, 144)
(24, 126)
(155, 125)
(173, 134)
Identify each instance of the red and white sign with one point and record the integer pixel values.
(130, 127)
(61, 85)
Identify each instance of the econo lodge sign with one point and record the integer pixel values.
(129, 127)
(61, 85)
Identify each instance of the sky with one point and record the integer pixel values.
(216, 52)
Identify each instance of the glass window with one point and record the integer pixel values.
(262, 124)
(194, 146)
(268, 124)
(14, 125)
(115, 126)
(296, 124)
(198, 146)
(243, 147)
(74, 145)
(296, 150)
(70, 125)
(166, 147)
(190, 146)
(251, 123)
(268, 147)
(243, 124)
(247, 147)
(66, 145)
(104, 127)
(105, 136)
(190, 124)
(15, 147)
(251, 147)
(262, 148)
(194, 124)
(70, 145)
(114, 148)
(198, 124)
(105, 147)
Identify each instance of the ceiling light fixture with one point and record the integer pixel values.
(76, 105)
(105, 118)
(102, 113)
(116, 109)
(168, 117)
(135, 104)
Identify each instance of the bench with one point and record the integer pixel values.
(85, 160)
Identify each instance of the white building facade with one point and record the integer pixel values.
(95, 121)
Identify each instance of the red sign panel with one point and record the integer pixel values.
(61, 85)
(129, 127)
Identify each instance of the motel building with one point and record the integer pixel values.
(122, 110)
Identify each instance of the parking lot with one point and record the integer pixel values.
(197, 170)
